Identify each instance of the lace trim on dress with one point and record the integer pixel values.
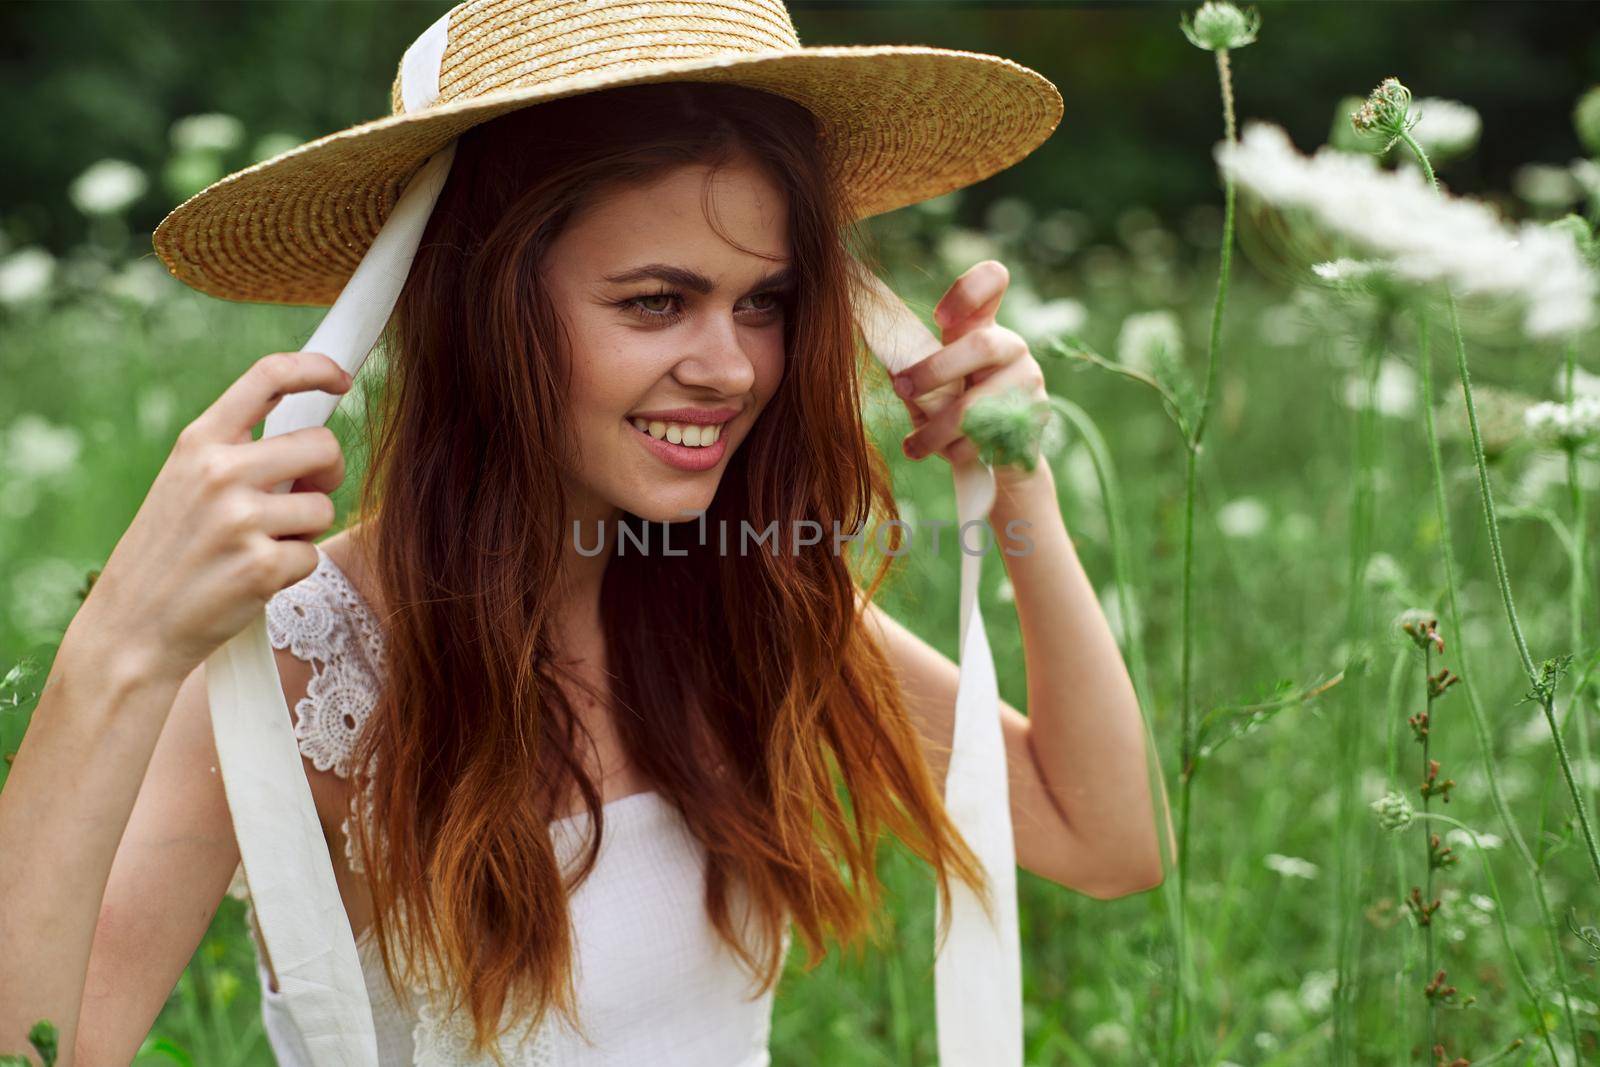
(323, 620)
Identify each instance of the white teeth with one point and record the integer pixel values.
(690, 434)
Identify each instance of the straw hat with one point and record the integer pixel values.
(901, 124)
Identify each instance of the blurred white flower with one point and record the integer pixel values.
(1559, 425)
(1445, 128)
(1543, 185)
(1145, 335)
(1005, 592)
(25, 275)
(274, 144)
(157, 405)
(960, 248)
(1459, 838)
(1039, 322)
(36, 448)
(1291, 866)
(1430, 238)
(1062, 231)
(1347, 270)
(107, 187)
(1316, 990)
(42, 596)
(143, 281)
(1396, 394)
(210, 132)
(1281, 1010)
(1244, 517)
(1286, 323)
(1009, 216)
(1586, 172)
(1108, 1038)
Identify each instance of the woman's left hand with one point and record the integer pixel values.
(981, 357)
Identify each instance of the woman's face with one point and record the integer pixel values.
(676, 336)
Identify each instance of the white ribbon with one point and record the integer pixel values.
(303, 923)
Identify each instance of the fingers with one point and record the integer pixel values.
(942, 429)
(309, 457)
(976, 294)
(257, 391)
(296, 514)
(988, 347)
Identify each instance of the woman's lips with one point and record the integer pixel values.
(683, 457)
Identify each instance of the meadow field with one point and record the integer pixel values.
(1328, 563)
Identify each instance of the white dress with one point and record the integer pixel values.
(656, 984)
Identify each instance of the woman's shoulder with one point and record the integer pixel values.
(330, 653)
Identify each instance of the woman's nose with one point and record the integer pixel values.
(718, 361)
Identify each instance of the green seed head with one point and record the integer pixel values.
(1219, 26)
(1386, 113)
(1007, 428)
(1394, 811)
(1586, 120)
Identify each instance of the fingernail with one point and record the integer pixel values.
(902, 385)
(939, 316)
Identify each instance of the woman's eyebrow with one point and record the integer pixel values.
(694, 281)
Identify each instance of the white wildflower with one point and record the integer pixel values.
(1396, 394)
(1241, 518)
(108, 187)
(1218, 26)
(156, 407)
(143, 281)
(1459, 838)
(210, 132)
(1445, 128)
(1429, 238)
(1543, 185)
(1347, 270)
(1148, 338)
(25, 276)
(960, 248)
(36, 448)
(1009, 216)
(43, 596)
(1109, 1039)
(1560, 425)
(1316, 990)
(1038, 321)
(1291, 866)
(1586, 172)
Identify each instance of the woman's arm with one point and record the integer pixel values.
(1081, 746)
(200, 559)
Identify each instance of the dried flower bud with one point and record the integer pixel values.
(1219, 26)
(1386, 113)
(1422, 627)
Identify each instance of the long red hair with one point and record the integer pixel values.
(757, 666)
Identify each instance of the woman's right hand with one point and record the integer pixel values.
(212, 542)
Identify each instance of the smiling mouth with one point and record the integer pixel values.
(687, 434)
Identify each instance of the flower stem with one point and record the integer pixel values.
(1427, 801)
(1547, 694)
(1579, 569)
(1480, 721)
(1505, 931)
(1181, 1006)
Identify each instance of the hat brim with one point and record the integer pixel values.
(903, 124)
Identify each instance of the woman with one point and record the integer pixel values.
(644, 319)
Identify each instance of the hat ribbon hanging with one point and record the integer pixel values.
(287, 866)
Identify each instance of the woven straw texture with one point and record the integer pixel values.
(901, 124)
